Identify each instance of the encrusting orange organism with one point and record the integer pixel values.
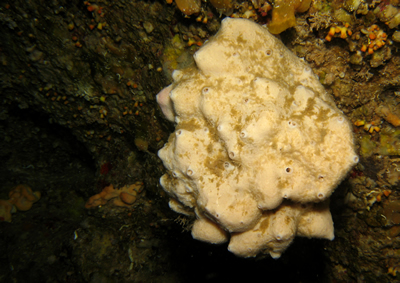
(344, 31)
(21, 198)
(125, 196)
(376, 39)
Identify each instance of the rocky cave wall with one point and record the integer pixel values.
(78, 113)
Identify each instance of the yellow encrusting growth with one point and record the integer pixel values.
(283, 14)
(189, 7)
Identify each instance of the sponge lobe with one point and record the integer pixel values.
(259, 146)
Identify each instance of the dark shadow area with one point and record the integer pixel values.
(50, 160)
(202, 262)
